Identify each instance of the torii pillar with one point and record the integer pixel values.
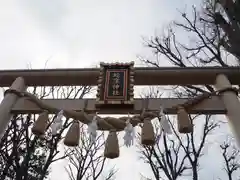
(232, 104)
(8, 102)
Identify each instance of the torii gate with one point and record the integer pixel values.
(223, 101)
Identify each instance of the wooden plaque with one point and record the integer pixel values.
(115, 85)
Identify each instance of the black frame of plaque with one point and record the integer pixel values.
(115, 85)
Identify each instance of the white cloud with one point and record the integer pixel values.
(77, 32)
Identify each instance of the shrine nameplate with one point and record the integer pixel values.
(115, 85)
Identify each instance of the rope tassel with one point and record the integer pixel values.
(184, 124)
(147, 137)
(111, 150)
(57, 123)
(73, 135)
(40, 125)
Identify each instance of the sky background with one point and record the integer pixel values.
(77, 33)
(81, 33)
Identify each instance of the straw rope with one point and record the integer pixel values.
(109, 123)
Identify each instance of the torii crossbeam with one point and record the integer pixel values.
(143, 76)
(224, 102)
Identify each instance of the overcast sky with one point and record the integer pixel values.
(77, 33)
(81, 33)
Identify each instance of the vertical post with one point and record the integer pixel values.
(232, 104)
(8, 102)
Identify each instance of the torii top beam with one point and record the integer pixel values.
(143, 76)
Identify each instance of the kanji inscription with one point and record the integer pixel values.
(116, 84)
